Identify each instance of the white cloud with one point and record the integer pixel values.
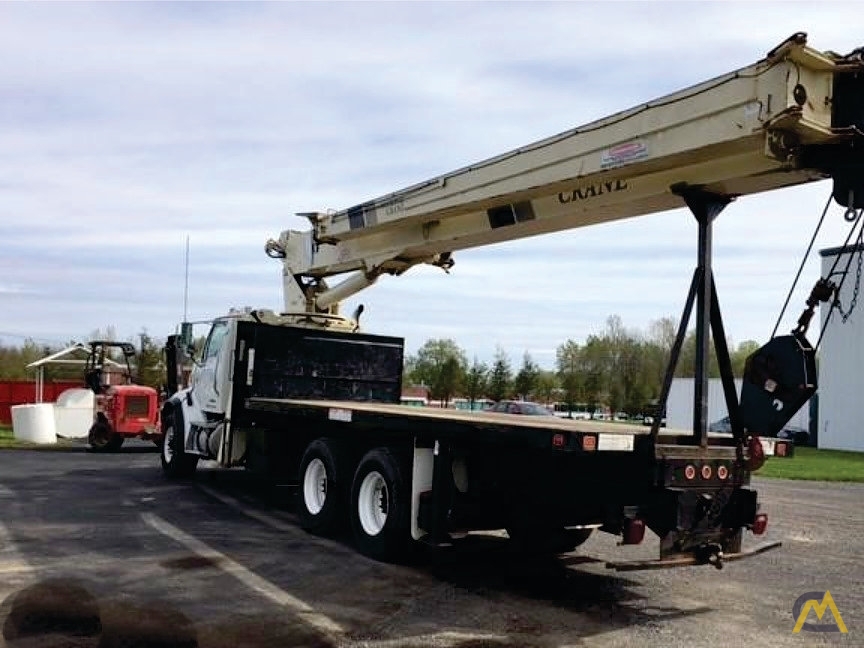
(125, 127)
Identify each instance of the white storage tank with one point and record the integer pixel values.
(73, 413)
(841, 357)
(34, 423)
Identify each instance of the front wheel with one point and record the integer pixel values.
(103, 439)
(380, 506)
(176, 462)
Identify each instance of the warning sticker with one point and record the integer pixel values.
(623, 154)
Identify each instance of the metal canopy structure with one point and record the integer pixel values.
(60, 358)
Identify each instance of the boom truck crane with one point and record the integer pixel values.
(304, 396)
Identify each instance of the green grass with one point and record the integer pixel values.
(7, 440)
(817, 465)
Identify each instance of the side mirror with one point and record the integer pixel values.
(186, 340)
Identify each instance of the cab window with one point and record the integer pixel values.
(215, 340)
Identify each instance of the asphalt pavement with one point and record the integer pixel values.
(101, 550)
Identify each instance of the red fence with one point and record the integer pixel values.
(19, 392)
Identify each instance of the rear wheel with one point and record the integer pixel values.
(102, 438)
(176, 462)
(380, 506)
(323, 486)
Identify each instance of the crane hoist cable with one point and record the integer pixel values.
(801, 266)
(851, 251)
(825, 288)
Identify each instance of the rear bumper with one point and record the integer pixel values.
(705, 557)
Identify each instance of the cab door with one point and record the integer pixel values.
(212, 380)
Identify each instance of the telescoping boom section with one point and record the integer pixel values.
(793, 117)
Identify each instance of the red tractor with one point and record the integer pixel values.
(122, 411)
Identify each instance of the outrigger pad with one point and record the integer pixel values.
(778, 379)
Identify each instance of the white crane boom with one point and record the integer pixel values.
(790, 118)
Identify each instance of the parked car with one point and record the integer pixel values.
(723, 425)
(520, 407)
(798, 436)
(649, 420)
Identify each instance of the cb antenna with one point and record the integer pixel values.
(186, 284)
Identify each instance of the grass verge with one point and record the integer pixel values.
(8, 441)
(817, 465)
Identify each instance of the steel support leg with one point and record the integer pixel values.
(705, 206)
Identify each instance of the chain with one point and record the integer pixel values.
(854, 301)
(719, 500)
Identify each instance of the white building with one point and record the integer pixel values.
(841, 358)
(679, 406)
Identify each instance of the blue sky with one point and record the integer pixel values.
(125, 127)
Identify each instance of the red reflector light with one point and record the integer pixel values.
(634, 531)
(690, 472)
(780, 449)
(722, 472)
(559, 440)
(760, 523)
(706, 471)
(757, 455)
(589, 442)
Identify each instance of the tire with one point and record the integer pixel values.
(176, 462)
(381, 507)
(103, 439)
(324, 485)
(538, 542)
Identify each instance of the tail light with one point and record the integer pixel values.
(706, 471)
(722, 472)
(760, 523)
(634, 531)
(756, 458)
(559, 440)
(780, 449)
(589, 443)
(690, 471)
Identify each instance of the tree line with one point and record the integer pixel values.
(619, 368)
(149, 367)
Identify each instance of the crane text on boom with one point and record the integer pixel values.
(592, 191)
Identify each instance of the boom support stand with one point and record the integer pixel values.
(706, 206)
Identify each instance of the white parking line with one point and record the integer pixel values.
(269, 520)
(443, 639)
(5, 491)
(264, 587)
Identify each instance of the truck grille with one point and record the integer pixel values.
(137, 406)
